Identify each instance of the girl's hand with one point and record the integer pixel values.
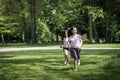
(68, 43)
(78, 47)
(60, 46)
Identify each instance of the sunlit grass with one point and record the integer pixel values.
(101, 45)
(48, 65)
(53, 45)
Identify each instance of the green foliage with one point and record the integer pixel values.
(96, 12)
(118, 33)
(57, 15)
(43, 31)
(10, 17)
(8, 28)
(84, 38)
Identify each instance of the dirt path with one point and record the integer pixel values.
(45, 48)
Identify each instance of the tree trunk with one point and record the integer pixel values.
(90, 23)
(90, 28)
(108, 35)
(119, 38)
(2, 36)
(32, 7)
(23, 25)
(108, 30)
(57, 38)
(23, 37)
(95, 32)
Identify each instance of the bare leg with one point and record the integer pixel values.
(75, 64)
(78, 62)
(65, 59)
(66, 56)
(78, 54)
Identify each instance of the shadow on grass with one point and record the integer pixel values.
(100, 52)
(112, 68)
(6, 56)
(86, 63)
(32, 61)
(55, 70)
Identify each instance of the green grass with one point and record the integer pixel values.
(115, 45)
(48, 65)
(101, 45)
(28, 45)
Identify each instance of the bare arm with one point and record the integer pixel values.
(80, 45)
(61, 44)
(68, 43)
(81, 42)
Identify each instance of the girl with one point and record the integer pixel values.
(65, 47)
(76, 43)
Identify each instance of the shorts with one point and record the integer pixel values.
(75, 53)
(66, 48)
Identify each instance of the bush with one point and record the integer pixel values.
(43, 32)
(84, 38)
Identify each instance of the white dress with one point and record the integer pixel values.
(65, 42)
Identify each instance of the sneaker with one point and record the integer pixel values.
(65, 62)
(75, 70)
(78, 63)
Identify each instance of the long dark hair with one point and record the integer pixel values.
(63, 35)
(70, 31)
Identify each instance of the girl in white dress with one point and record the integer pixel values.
(76, 43)
(65, 47)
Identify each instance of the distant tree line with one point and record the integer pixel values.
(34, 21)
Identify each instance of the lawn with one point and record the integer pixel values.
(111, 45)
(48, 65)
(101, 45)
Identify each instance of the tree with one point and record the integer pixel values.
(9, 19)
(111, 17)
(97, 19)
(32, 9)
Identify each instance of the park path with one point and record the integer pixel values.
(7, 49)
